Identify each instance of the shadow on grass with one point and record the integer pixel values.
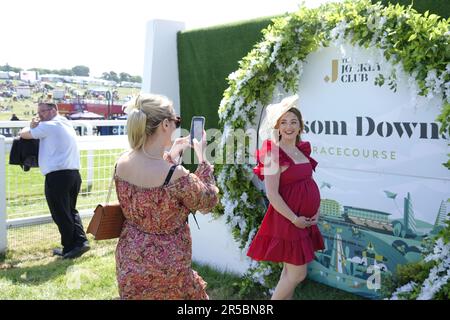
(35, 275)
(223, 285)
(312, 290)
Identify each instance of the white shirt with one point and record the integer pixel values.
(58, 149)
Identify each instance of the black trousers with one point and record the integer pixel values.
(61, 191)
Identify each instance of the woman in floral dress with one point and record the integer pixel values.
(154, 252)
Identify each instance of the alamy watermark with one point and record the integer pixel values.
(231, 146)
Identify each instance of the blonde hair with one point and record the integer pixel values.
(145, 114)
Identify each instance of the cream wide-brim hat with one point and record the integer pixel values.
(273, 113)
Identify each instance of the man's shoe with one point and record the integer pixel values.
(58, 252)
(77, 252)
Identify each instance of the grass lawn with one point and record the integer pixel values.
(31, 272)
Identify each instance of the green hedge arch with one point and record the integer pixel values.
(417, 44)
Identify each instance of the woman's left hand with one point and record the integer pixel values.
(315, 219)
(179, 145)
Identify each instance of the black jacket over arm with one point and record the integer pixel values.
(25, 152)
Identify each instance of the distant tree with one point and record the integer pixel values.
(41, 70)
(7, 68)
(137, 79)
(124, 76)
(114, 76)
(111, 76)
(52, 71)
(66, 72)
(81, 71)
(105, 76)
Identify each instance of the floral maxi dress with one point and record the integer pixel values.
(154, 252)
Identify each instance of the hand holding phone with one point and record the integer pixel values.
(197, 130)
(34, 122)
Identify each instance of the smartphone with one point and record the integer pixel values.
(197, 128)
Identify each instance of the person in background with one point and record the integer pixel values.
(288, 232)
(154, 252)
(59, 161)
(15, 131)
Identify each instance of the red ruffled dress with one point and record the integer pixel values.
(278, 239)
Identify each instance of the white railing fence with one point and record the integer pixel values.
(3, 234)
(22, 199)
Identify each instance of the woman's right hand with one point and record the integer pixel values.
(200, 147)
(301, 222)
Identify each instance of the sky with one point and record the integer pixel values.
(109, 35)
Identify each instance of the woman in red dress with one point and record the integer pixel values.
(288, 232)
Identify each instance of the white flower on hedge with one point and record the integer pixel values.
(229, 206)
(338, 33)
(384, 43)
(407, 288)
(244, 197)
(221, 178)
(435, 281)
(438, 277)
(375, 22)
(263, 48)
(276, 48)
(440, 252)
(258, 276)
(242, 223)
(222, 107)
(227, 129)
(295, 65)
(433, 83)
(267, 270)
(413, 90)
(249, 240)
(232, 174)
(447, 92)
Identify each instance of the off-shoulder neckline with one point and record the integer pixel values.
(170, 184)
